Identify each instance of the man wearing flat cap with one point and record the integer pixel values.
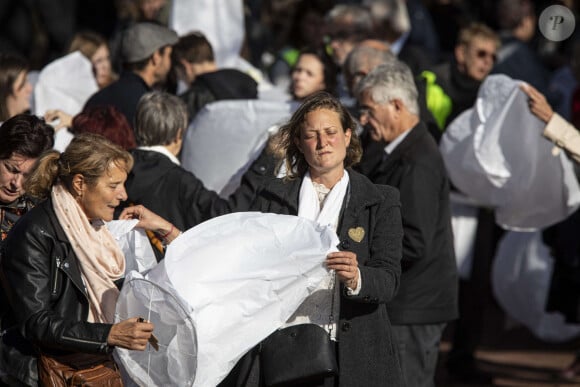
(146, 51)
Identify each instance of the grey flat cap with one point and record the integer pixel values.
(141, 40)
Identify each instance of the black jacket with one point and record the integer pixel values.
(428, 291)
(223, 84)
(48, 302)
(178, 196)
(124, 94)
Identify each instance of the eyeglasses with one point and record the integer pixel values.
(481, 54)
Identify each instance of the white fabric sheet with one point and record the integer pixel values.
(154, 299)
(495, 154)
(226, 136)
(64, 84)
(134, 243)
(221, 21)
(464, 224)
(242, 276)
(521, 275)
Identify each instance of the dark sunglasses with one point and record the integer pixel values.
(484, 54)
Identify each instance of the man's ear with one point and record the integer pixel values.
(78, 184)
(398, 104)
(179, 135)
(460, 54)
(155, 58)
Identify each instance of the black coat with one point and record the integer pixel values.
(428, 291)
(223, 84)
(178, 196)
(49, 306)
(366, 351)
(124, 94)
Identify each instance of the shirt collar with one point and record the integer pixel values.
(163, 150)
(398, 44)
(393, 144)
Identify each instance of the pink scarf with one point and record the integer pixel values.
(100, 258)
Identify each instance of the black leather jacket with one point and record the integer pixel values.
(45, 293)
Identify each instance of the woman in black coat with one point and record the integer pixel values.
(320, 146)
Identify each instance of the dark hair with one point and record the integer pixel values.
(194, 48)
(26, 135)
(510, 13)
(11, 65)
(330, 70)
(304, 7)
(87, 154)
(140, 65)
(296, 164)
(106, 121)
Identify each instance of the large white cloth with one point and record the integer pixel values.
(64, 84)
(521, 275)
(495, 154)
(134, 244)
(464, 224)
(226, 136)
(241, 276)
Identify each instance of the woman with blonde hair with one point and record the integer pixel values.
(61, 268)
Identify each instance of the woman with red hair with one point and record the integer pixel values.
(107, 121)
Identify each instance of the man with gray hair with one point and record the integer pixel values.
(427, 296)
(362, 59)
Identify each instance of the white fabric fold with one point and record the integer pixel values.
(242, 276)
(495, 153)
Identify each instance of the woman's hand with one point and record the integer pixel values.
(130, 334)
(151, 221)
(345, 264)
(64, 119)
(537, 102)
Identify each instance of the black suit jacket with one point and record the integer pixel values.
(428, 290)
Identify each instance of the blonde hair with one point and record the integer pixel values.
(87, 42)
(477, 30)
(88, 154)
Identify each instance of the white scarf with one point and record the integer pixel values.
(317, 307)
(309, 205)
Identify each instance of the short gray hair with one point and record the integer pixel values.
(362, 54)
(358, 17)
(391, 81)
(160, 116)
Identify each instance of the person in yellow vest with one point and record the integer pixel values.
(451, 87)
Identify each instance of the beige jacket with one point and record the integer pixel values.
(564, 135)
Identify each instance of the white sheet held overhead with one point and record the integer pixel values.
(226, 136)
(64, 84)
(241, 276)
(221, 21)
(495, 154)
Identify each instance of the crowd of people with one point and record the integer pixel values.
(374, 85)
